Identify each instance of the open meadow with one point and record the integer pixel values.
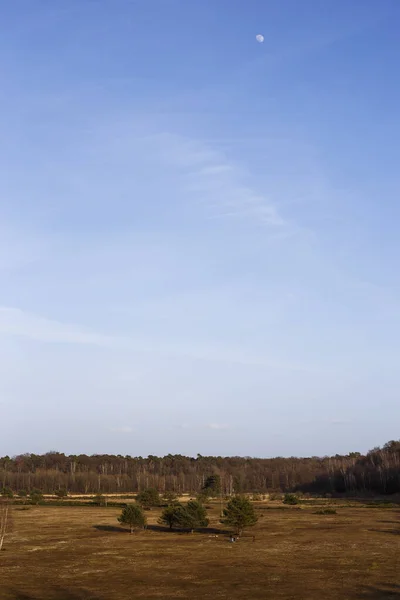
(78, 552)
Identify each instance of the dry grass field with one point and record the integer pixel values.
(76, 553)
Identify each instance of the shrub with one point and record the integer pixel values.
(290, 499)
(275, 496)
(99, 500)
(7, 492)
(61, 493)
(36, 496)
(326, 511)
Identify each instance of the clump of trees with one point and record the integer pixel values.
(133, 516)
(239, 514)
(191, 516)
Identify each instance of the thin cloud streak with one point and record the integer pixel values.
(214, 180)
(16, 322)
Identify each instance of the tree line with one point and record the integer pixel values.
(377, 472)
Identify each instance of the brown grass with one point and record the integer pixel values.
(76, 553)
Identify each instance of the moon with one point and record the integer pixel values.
(260, 38)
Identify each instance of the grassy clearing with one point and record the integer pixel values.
(76, 553)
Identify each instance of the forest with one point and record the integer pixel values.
(377, 472)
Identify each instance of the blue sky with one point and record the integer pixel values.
(198, 232)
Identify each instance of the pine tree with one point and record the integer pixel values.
(197, 514)
(191, 516)
(170, 516)
(239, 513)
(133, 516)
(212, 486)
(148, 498)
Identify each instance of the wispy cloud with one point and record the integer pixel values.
(213, 180)
(218, 426)
(16, 322)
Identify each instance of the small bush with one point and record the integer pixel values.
(290, 499)
(36, 496)
(326, 511)
(99, 500)
(61, 493)
(275, 496)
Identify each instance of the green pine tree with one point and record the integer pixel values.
(170, 516)
(191, 516)
(148, 498)
(212, 486)
(239, 513)
(133, 516)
